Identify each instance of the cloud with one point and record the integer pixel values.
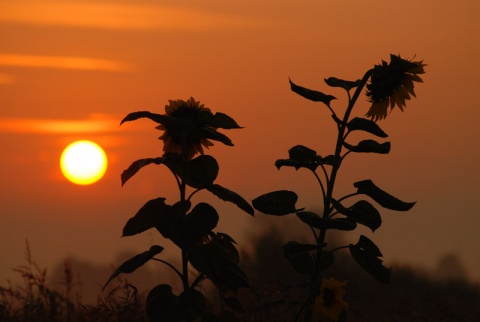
(61, 62)
(95, 124)
(117, 16)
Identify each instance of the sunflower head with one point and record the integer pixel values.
(392, 84)
(329, 303)
(189, 126)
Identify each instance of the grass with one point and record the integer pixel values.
(411, 295)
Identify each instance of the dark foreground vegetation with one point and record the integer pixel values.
(411, 296)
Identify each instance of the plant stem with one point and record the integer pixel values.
(316, 278)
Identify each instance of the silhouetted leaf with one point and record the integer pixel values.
(228, 195)
(301, 261)
(367, 187)
(192, 304)
(158, 118)
(366, 254)
(137, 165)
(366, 125)
(201, 171)
(302, 154)
(336, 82)
(367, 146)
(316, 221)
(149, 216)
(215, 261)
(311, 95)
(200, 221)
(295, 164)
(135, 262)
(329, 159)
(171, 223)
(223, 121)
(162, 304)
(209, 133)
(361, 212)
(277, 203)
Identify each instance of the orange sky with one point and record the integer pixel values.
(73, 69)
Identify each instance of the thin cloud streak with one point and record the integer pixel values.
(118, 16)
(62, 62)
(96, 124)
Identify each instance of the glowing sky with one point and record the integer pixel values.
(73, 69)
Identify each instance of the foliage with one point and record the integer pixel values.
(390, 84)
(187, 127)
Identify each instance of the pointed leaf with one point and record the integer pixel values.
(228, 195)
(277, 203)
(158, 118)
(147, 217)
(171, 223)
(367, 187)
(162, 304)
(200, 221)
(302, 154)
(209, 133)
(311, 95)
(302, 262)
(366, 254)
(137, 165)
(223, 121)
(361, 212)
(135, 262)
(366, 125)
(336, 82)
(369, 146)
(202, 171)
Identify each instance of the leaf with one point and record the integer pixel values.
(162, 304)
(192, 304)
(366, 254)
(223, 121)
(336, 82)
(149, 216)
(209, 133)
(158, 118)
(311, 95)
(301, 261)
(199, 222)
(277, 203)
(228, 195)
(361, 212)
(201, 171)
(215, 261)
(171, 224)
(318, 222)
(135, 262)
(137, 165)
(302, 154)
(367, 187)
(366, 125)
(369, 146)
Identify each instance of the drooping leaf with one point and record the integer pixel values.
(367, 187)
(215, 261)
(277, 203)
(228, 195)
(199, 222)
(366, 125)
(135, 262)
(301, 261)
(369, 146)
(316, 221)
(150, 215)
(347, 85)
(223, 121)
(361, 212)
(311, 94)
(162, 304)
(366, 254)
(137, 165)
(158, 118)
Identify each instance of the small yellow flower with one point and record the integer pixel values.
(329, 303)
(190, 129)
(392, 84)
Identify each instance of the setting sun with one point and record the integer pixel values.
(83, 162)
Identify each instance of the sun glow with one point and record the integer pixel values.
(83, 162)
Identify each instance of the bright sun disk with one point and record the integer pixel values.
(83, 162)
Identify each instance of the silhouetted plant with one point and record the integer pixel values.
(390, 84)
(188, 127)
